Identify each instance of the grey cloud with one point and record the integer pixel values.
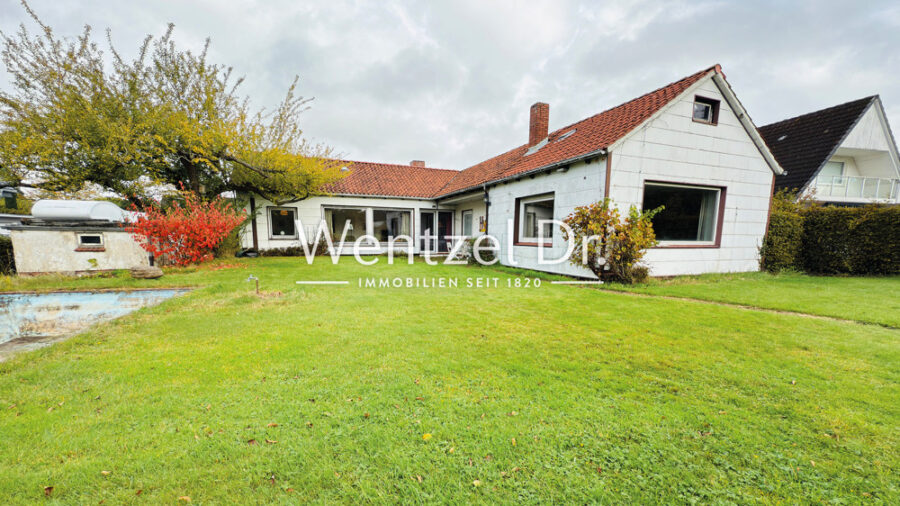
(451, 82)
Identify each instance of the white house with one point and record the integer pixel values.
(844, 154)
(689, 146)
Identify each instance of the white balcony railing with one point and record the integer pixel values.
(855, 187)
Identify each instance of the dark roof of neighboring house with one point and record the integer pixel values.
(803, 144)
(391, 180)
(578, 140)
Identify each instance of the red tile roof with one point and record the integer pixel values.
(391, 180)
(579, 139)
(588, 135)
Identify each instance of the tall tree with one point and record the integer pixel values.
(75, 117)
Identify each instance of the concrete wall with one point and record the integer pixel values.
(38, 251)
(674, 148)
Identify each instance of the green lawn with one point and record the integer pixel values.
(549, 394)
(871, 300)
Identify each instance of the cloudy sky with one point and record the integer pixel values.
(451, 82)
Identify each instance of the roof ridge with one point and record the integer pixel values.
(868, 99)
(397, 165)
(635, 99)
(486, 178)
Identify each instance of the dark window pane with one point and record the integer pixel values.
(689, 213)
(351, 221)
(388, 224)
(535, 212)
(283, 222)
(90, 239)
(702, 112)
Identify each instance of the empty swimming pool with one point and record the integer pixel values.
(33, 320)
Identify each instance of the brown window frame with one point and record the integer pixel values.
(516, 227)
(720, 213)
(713, 104)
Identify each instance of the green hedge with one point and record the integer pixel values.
(7, 262)
(834, 240)
(783, 244)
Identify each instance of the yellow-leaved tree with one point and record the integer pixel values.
(75, 116)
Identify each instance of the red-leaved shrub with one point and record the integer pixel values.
(186, 232)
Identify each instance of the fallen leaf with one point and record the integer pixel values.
(793, 382)
(476, 483)
(105, 473)
(488, 457)
(512, 413)
(426, 437)
(139, 491)
(722, 412)
(208, 407)
(289, 490)
(451, 450)
(419, 478)
(599, 469)
(48, 490)
(813, 463)
(251, 442)
(366, 415)
(514, 441)
(273, 424)
(420, 398)
(184, 498)
(337, 474)
(271, 441)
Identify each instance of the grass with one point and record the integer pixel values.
(526, 395)
(869, 300)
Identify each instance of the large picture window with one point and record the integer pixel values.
(282, 223)
(387, 224)
(532, 215)
(690, 213)
(353, 220)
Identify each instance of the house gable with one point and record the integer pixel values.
(671, 147)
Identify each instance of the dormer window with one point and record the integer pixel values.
(706, 110)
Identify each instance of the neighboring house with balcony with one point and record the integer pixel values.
(689, 146)
(844, 154)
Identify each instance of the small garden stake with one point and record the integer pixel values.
(254, 278)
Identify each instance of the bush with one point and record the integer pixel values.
(783, 243)
(7, 261)
(487, 251)
(851, 240)
(295, 251)
(832, 240)
(188, 231)
(612, 248)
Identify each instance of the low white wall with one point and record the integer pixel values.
(40, 251)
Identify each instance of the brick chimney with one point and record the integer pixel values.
(539, 125)
(417, 163)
